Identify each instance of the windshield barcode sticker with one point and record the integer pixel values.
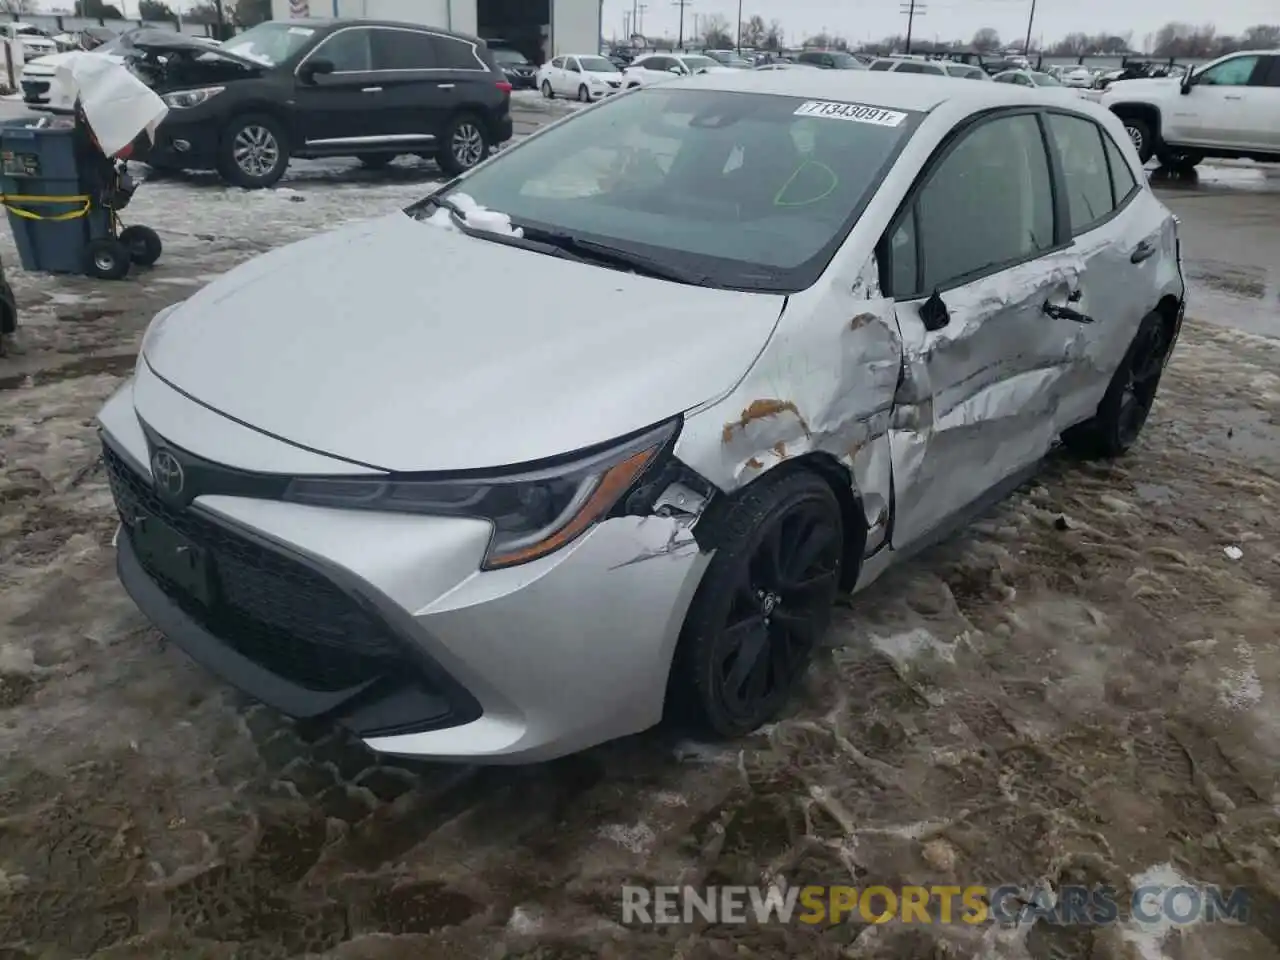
(857, 112)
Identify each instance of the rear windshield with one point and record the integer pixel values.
(752, 191)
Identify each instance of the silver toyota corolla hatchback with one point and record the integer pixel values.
(599, 430)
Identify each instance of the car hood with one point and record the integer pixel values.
(412, 347)
(602, 75)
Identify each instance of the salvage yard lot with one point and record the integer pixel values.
(1078, 689)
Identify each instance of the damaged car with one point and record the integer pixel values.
(366, 89)
(835, 315)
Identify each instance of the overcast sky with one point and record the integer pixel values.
(862, 20)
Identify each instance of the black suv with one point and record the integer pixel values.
(322, 88)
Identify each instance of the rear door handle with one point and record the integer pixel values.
(446, 86)
(1064, 313)
(1143, 251)
(1232, 96)
(371, 90)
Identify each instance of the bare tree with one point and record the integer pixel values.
(754, 32)
(775, 36)
(715, 32)
(18, 7)
(1262, 37)
(986, 40)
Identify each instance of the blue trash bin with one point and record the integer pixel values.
(49, 213)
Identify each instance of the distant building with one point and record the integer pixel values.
(545, 27)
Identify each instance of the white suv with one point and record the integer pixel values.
(1228, 108)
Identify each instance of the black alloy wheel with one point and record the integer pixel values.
(763, 605)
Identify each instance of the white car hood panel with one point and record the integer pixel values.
(411, 347)
(1145, 86)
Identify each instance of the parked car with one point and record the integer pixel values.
(519, 71)
(1230, 107)
(661, 67)
(1039, 81)
(831, 60)
(585, 77)
(322, 88)
(35, 42)
(964, 71)
(499, 530)
(1081, 77)
(786, 65)
(903, 65)
(727, 58)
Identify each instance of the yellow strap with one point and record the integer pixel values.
(8, 201)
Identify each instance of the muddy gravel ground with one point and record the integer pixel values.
(1081, 688)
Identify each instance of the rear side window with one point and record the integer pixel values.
(910, 68)
(1086, 176)
(454, 54)
(1272, 77)
(988, 203)
(403, 50)
(1122, 181)
(882, 65)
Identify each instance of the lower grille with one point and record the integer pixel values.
(272, 609)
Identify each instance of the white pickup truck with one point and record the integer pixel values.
(1230, 107)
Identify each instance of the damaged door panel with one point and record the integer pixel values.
(824, 384)
(973, 265)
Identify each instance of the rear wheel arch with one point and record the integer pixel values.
(1148, 113)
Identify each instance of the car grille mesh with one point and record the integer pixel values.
(270, 608)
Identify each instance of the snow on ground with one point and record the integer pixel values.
(1081, 688)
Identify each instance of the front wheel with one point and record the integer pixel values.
(465, 144)
(547, 91)
(1140, 135)
(106, 259)
(143, 244)
(254, 153)
(762, 606)
(1121, 415)
(584, 95)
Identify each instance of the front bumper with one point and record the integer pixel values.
(384, 623)
(183, 143)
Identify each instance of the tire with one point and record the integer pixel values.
(750, 596)
(376, 161)
(254, 152)
(106, 259)
(1121, 415)
(584, 95)
(143, 244)
(547, 92)
(465, 143)
(1141, 136)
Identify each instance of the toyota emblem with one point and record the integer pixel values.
(167, 472)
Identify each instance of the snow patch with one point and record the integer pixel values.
(524, 921)
(1148, 938)
(476, 217)
(914, 645)
(636, 839)
(1241, 688)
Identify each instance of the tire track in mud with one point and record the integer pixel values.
(1054, 695)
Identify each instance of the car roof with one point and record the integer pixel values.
(895, 91)
(324, 23)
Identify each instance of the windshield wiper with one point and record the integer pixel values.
(444, 203)
(592, 251)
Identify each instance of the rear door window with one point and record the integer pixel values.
(1086, 176)
(882, 65)
(1123, 183)
(403, 50)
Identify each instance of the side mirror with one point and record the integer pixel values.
(315, 68)
(1185, 86)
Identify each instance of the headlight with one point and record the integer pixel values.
(190, 98)
(533, 512)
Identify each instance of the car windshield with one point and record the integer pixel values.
(512, 58)
(699, 63)
(270, 43)
(1044, 80)
(597, 65)
(846, 61)
(750, 191)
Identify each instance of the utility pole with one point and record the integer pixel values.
(643, 7)
(912, 9)
(635, 19)
(1026, 47)
(681, 4)
(739, 28)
